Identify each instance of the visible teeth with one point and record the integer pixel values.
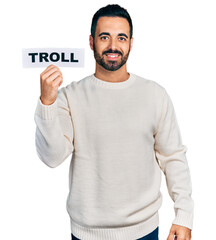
(112, 56)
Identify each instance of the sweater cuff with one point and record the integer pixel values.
(46, 112)
(184, 219)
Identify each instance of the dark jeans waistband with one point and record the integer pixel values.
(151, 236)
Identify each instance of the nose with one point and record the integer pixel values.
(112, 44)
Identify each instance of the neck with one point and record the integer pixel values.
(119, 75)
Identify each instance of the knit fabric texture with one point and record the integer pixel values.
(121, 136)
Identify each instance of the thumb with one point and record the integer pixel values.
(171, 237)
(60, 83)
(172, 234)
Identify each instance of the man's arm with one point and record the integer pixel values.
(171, 155)
(54, 129)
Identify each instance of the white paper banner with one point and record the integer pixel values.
(61, 57)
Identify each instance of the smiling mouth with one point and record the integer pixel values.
(112, 56)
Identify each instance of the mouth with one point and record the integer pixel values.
(112, 56)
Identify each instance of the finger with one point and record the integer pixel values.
(179, 238)
(57, 82)
(50, 72)
(48, 68)
(51, 67)
(53, 76)
(171, 236)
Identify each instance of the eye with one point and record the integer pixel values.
(122, 39)
(104, 37)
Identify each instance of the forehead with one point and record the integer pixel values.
(112, 24)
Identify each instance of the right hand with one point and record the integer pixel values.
(50, 80)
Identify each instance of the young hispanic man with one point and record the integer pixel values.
(121, 130)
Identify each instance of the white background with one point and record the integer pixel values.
(174, 45)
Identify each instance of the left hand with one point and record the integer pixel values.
(180, 233)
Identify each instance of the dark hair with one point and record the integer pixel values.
(111, 10)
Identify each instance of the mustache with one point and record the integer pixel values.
(112, 51)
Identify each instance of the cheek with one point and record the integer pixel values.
(125, 49)
(99, 48)
(102, 46)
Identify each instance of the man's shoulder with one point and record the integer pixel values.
(149, 83)
(80, 82)
(76, 84)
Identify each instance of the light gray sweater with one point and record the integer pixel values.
(121, 135)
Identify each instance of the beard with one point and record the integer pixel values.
(110, 65)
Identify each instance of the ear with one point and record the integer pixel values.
(131, 43)
(91, 42)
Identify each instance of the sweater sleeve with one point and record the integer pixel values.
(54, 131)
(170, 152)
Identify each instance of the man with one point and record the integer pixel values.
(122, 131)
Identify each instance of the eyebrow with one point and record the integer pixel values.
(106, 33)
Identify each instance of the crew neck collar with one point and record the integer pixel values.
(113, 85)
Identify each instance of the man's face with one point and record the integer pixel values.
(112, 42)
